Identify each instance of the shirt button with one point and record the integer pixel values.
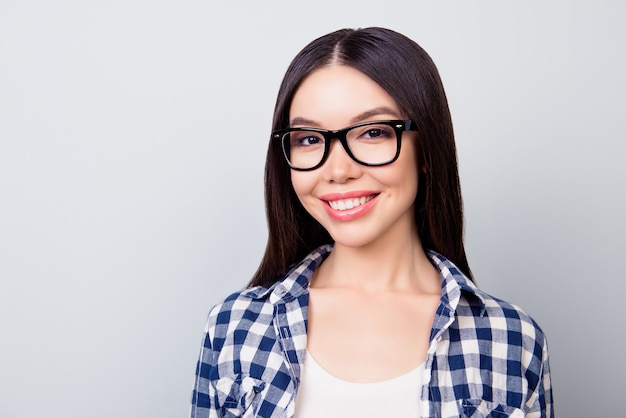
(280, 290)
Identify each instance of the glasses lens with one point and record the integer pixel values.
(304, 149)
(374, 144)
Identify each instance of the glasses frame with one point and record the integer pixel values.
(399, 126)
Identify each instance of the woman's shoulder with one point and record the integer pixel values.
(239, 305)
(498, 320)
(501, 317)
(488, 316)
(261, 299)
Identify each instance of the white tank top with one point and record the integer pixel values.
(323, 395)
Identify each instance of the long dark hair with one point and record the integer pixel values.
(408, 74)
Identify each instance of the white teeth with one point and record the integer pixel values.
(345, 204)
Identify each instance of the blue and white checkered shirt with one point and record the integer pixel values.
(486, 358)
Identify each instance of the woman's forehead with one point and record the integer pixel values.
(342, 95)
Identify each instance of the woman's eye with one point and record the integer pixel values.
(374, 133)
(306, 140)
(378, 133)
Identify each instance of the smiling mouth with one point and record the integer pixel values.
(346, 204)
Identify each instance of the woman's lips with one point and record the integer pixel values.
(349, 206)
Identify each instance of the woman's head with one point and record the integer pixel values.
(406, 72)
(362, 175)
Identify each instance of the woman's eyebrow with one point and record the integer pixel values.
(383, 110)
(302, 122)
(361, 117)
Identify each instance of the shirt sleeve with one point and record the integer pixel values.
(539, 404)
(201, 402)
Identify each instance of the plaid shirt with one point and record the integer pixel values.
(486, 357)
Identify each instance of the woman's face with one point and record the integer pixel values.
(358, 205)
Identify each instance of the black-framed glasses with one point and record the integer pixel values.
(372, 144)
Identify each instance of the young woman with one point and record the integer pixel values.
(364, 304)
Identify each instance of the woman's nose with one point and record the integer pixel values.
(339, 166)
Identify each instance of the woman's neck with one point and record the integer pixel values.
(384, 265)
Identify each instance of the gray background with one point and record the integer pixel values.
(132, 143)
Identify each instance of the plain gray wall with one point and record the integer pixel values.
(132, 144)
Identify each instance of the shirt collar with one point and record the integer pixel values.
(296, 281)
(454, 283)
